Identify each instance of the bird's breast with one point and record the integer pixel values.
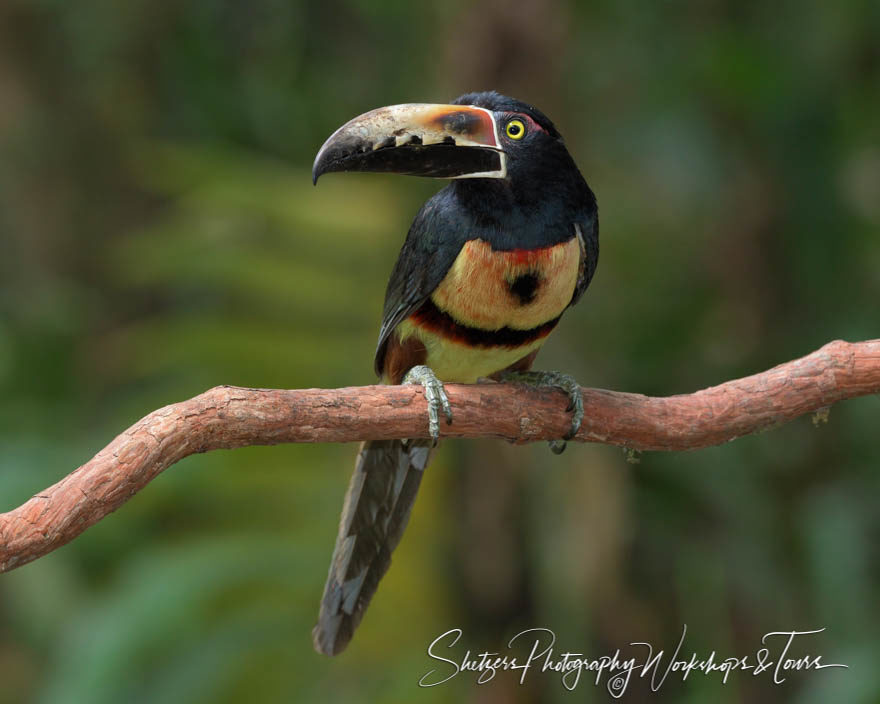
(519, 289)
(492, 309)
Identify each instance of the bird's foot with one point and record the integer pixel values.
(435, 395)
(560, 381)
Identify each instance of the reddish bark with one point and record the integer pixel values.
(226, 417)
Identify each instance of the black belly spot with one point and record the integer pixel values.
(524, 288)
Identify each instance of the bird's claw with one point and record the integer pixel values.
(435, 395)
(557, 447)
(560, 381)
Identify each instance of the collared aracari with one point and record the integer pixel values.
(488, 267)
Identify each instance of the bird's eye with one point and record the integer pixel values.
(515, 129)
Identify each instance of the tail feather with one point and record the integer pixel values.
(377, 506)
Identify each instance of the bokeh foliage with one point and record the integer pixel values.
(160, 235)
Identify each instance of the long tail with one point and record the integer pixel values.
(377, 506)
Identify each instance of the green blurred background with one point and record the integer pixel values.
(159, 234)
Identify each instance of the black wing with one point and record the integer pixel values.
(433, 243)
(587, 231)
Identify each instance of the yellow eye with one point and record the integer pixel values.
(515, 129)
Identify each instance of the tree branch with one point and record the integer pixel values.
(227, 417)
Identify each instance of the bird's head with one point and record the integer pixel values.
(477, 136)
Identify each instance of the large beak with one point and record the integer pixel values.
(443, 141)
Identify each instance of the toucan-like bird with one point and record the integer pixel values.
(488, 267)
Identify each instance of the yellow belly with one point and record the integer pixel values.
(457, 362)
(477, 293)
